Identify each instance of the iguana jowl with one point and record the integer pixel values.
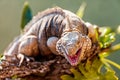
(56, 31)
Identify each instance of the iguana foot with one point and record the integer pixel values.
(22, 57)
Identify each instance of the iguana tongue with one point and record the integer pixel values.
(74, 59)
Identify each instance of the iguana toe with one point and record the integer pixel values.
(22, 57)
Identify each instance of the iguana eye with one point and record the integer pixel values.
(63, 34)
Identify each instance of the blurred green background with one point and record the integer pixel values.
(100, 12)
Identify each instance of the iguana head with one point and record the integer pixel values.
(73, 45)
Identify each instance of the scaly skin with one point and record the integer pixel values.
(56, 31)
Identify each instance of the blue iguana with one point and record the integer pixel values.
(53, 31)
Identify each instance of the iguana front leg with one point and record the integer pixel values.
(28, 48)
(51, 43)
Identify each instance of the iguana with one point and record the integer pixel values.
(53, 31)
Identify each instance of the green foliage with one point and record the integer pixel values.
(91, 71)
(118, 29)
(16, 78)
(109, 75)
(106, 37)
(115, 47)
(81, 10)
(1, 56)
(26, 15)
(94, 70)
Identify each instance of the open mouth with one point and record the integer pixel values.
(72, 59)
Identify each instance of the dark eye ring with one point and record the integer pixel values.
(63, 34)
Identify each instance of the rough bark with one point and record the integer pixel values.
(47, 68)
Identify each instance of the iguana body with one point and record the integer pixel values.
(54, 31)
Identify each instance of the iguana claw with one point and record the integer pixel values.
(22, 57)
